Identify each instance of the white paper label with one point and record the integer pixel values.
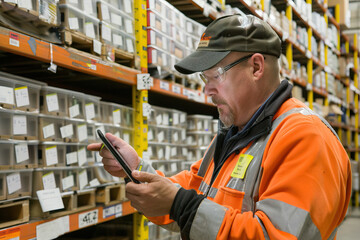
(67, 131)
(13, 182)
(105, 12)
(95, 182)
(129, 26)
(74, 2)
(175, 136)
(116, 19)
(167, 152)
(89, 30)
(88, 218)
(129, 45)
(127, 6)
(117, 116)
(90, 111)
(83, 179)
(165, 119)
(6, 95)
(74, 111)
(49, 181)
(150, 135)
(51, 155)
(108, 211)
(49, 130)
(68, 182)
(21, 152)
(19, 125)
(106, 32)
(160, 153)
(82, 156)
(88, 7)
(82, 132)
(118, 40)
(164, 85)
(173, 167)
(52, 102)
(22, 96)
(50, 199)
(25, 4)
(176, 89)
(118, 210)
(74, 23)
(159, 119)
(97, 49)
(53, 229)
(71, 158)
(175, 119)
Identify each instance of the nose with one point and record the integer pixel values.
(210, 89)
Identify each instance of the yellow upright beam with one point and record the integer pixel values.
(326, 64)
(289, 49)
(310, 71)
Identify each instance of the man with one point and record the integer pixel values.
(276, 170)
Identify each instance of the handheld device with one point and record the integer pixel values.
(117, 156)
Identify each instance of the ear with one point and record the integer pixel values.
(258, 63)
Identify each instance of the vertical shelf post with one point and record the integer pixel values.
(356, 100)
(289, 49)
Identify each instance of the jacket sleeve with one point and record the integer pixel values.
(303, 194)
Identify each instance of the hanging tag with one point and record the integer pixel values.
(53, 66)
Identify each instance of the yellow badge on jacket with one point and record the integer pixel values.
(241, 166)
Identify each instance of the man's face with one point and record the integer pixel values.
(233, 94)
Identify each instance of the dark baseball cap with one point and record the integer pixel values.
(233, 33)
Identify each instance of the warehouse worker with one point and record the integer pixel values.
(275, 170)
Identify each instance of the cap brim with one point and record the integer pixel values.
(200, 61)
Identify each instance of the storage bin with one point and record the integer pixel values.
(177, 49)
(46, 178)
(127, 117)
(159, 23)
(178, 35)
(69, 181)
(199, 123)
(52, 154)
(76, 103)
(177, 135)
(53, 101)
(92, 108)
(69, 132)
(7, 154)
(159, 134)
(163, 8)
(26, 154)
(82, 130)
(48, 11)
(91, 134)
(160, 116)
(195, 153)
(6, 123)
(102, 175)
(49, 128)
(2, 186)
(72, 156)
(127, 135)
(7, 95)
(158, 151)
(178, 19)
(158, 39)
(168, 168)
(198, 138)
(25, 126)
(87, 6)
(178, 119)
(27, 96)
(79, 21)
(18, 183)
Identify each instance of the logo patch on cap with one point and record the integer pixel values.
(204, 41)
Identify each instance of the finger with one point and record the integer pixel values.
(115, 141)
(94, 147)
(145, 176)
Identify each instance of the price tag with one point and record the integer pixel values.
(105, 12)
(13, 182)
(82, 156)
(49, 130)
(21, 152)
(117, 116)
(89, 30)
(51, 155)
(52, 102)
(71, 158)
(74, 111)
(73, 23)
(67, 182)
(97, 49)
(118, 210)
(164, 85)
(49, 180)
(82, 132)
(88, 218)
(22, 96)
(83, 179)
(6, 95)
(19, 125)
(176, 89)
(90, 111)
(67, 131)
(95, 182)
(116, 19)
(14, 39)
(108, 211)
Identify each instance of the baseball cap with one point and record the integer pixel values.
(232, 33)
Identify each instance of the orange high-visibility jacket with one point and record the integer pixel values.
(293, 183)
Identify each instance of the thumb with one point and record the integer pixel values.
(145, 176)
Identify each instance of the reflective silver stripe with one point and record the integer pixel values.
(203, 187)
(173, 227)
(333, 234)
(207, 159)
(212, 192)
(207, 221)
(289, 218)
(266, 235)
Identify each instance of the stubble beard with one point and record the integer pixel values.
(227, 120)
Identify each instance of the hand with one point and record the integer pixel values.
(110, 163)
(154, 197)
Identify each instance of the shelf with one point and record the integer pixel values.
(28, 230)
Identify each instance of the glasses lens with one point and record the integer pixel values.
(203, 78)
(216, 75)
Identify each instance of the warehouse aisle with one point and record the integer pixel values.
(350, 228)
